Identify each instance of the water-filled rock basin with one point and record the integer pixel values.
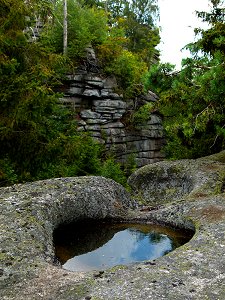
(85, 246)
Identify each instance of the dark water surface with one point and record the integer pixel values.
(86, 246)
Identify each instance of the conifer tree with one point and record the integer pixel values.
(193, 100)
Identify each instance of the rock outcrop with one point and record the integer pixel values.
(101, 112)
(30, 212)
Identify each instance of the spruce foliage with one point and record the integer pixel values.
(193, 99)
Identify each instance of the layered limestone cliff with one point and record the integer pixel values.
(102, 112)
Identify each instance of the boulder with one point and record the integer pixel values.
(162, 181)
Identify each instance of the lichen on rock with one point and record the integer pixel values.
(186, 194)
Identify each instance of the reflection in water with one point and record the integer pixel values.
(97, 246)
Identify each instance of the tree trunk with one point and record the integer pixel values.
(106, 6)
(65, 25)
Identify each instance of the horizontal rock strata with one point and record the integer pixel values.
(100, 111)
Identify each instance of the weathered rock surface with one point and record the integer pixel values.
(31, 211)
(160, 182)
(196, 270)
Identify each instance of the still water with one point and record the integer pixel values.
(86, 246)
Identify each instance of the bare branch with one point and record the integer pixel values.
(205, 109)
(203, 67)
(216, 137)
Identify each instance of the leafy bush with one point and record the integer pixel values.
(85, 26)
(7, 173)
(111, 169)
(130, 165)
(142, 115)
(74, 155)
(128, 69)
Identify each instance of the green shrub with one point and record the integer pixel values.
(142, 115)
(111, 169)
(7, 173)
(128, 68)
(85, 26)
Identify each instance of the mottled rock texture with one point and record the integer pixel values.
(30, 212)
(158, 183)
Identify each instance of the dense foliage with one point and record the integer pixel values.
(122, 32)
(38, 136)
(193, 99)
(85, 26)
